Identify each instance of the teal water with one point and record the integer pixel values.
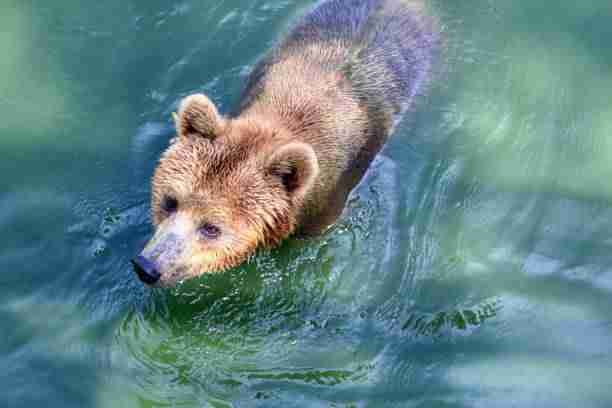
(472, 267)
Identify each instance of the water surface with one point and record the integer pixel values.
(471, 267)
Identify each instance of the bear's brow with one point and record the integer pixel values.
(223, 162)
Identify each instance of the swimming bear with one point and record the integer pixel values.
(314, 112)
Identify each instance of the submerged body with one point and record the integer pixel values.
(314, 113)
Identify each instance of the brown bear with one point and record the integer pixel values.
(313, 114)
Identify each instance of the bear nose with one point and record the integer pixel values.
(146, 270)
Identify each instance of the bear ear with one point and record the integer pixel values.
(296, 165)
(198, 116)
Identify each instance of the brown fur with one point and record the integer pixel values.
(309, 124)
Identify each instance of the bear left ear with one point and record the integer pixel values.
(198, 116)
(296, 165)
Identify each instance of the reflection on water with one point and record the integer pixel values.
(470, 268)
(532, 113)
(460, 320)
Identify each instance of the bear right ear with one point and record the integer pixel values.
(198, 116)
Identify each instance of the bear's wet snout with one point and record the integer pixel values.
(146, 270)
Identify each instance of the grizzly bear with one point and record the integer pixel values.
(313, 114)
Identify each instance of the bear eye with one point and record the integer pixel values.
(169, 204)
(210, 231)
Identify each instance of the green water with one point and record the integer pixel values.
(472, 267)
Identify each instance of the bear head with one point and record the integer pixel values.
(222, 189)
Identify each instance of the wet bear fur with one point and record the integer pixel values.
(313, 114)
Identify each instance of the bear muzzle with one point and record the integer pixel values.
(163, 260)
(146, 270)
